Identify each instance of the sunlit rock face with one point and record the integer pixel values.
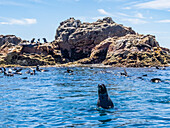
(77, 39)
(9, 38)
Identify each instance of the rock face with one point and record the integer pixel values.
(76, 39)
(132, 50)
(30, 54)
(9, 38)
(103, 41)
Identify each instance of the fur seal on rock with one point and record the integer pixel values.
(104, 100)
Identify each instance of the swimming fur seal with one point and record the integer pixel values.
(104, 100)
(156, 80)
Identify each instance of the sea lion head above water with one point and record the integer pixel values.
(102, 89)
(104, 100)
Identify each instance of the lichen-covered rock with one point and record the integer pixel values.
(76, 39)
(9, 38)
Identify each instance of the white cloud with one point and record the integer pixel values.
(123, 14)
(135, 21)
(139, 15)
(163, 21)
(127, 8)
(155, 4)
(103, 12)
(11, 3)
(25, 21)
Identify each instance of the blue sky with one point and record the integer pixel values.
(40, 18)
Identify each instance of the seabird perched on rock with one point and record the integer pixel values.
(45, 40)
(32, 41)
(104, 100)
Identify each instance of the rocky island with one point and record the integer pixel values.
(101, 42)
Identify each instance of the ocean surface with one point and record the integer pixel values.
(60, 99)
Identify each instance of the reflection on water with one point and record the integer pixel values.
(60, 99)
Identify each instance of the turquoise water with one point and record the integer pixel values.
(60, 99)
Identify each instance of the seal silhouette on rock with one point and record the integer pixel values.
(104, 100)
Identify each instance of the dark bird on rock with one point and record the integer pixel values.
(45, 40)
(32, 41)
(156, 80)
(104, 100)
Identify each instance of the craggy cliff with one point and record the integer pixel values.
(76, 39)
(103, 41)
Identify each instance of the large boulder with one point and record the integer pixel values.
(76, 39)
(9, 38)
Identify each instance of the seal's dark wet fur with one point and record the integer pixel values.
(104, 100)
